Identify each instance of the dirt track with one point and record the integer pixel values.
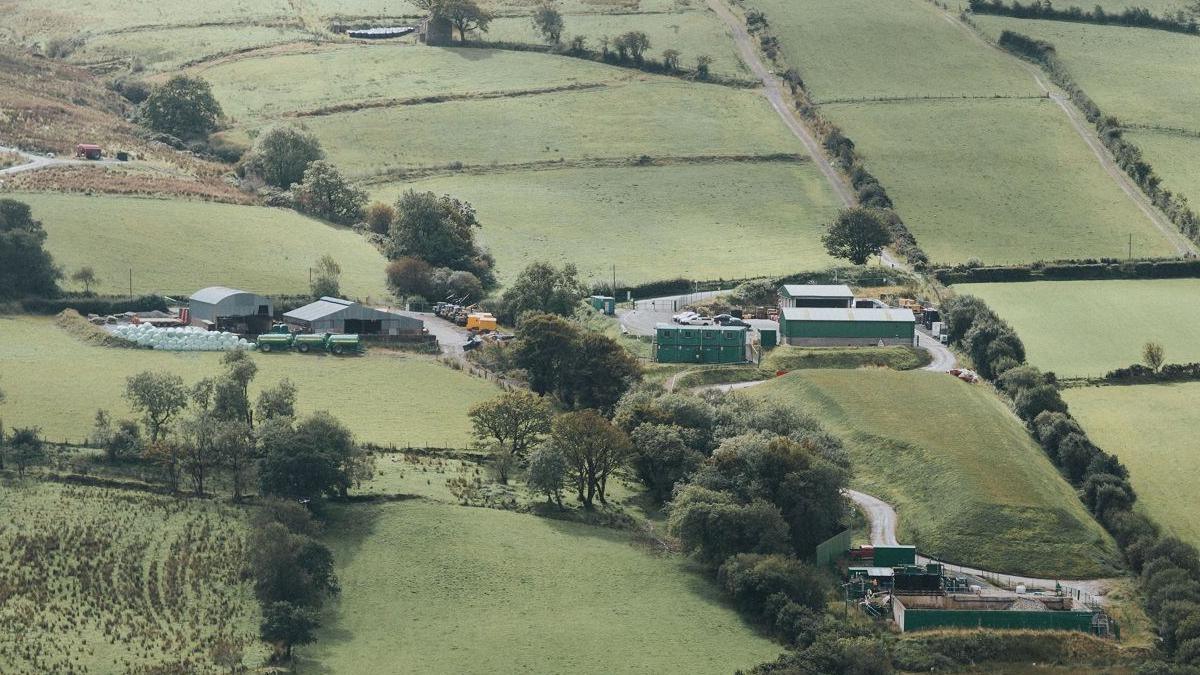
(41, 162)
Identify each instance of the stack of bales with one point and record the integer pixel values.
(190, 339)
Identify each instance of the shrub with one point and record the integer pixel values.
(752, 578)
(282, 155)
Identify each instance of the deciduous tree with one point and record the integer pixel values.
(184, 107)
(549, 22)
(857, 234)
(26, 448)
(282, 154)
(1153, 355)
(286, 625)
(547, 473)
(26, 268)
(515, 420)
(326, 278)
(277, 402)
(541, 287)
(159, 397)
(86, 276)
(325, 193)
(594, 449)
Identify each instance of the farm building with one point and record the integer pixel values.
(334, 315)
(699, 344)
(830, 327)
(805, 295)
(221, 308)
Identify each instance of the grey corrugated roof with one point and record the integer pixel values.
(817, 291)
(318, 310)
(846, 314)
(214, 294)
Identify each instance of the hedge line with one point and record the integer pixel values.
(1137, 17)
(1139, 374)
(1066, 270)
(1127, 155)
(1169, 567)
(94, 304)
(868, 190)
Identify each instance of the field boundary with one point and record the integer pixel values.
(443, 98)
(1132, 17)
(1072, 270)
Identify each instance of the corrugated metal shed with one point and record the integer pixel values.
(847, 314)
(208, 304)
(830, 326)
(817, 291)
(335, 315)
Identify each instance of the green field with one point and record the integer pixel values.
(436, 588)
(265, 85)
(1086, 328)
(1151, 428)
(107, 581)
(1175, 157)
(39, 18)
(169, 48)
(178, 246)
(57, 383)
(1141, 76)
(651, 116)
(691, 33)
(704, 221)
(968, 482)
(901, 48)
(986, 179)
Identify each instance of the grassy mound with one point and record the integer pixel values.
(450, 589)
(969, 484)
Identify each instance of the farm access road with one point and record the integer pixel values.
(883, 520)
(41, 161)
(773, 89)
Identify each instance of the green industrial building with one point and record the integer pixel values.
(841, 326)
(699, 344)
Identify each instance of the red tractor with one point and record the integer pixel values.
(88, 151)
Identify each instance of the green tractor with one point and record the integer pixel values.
(270, 342)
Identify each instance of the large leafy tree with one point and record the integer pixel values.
(594, 450)
(581, 369)
(514, 420)
(184, 107)
(282, 154)
(549, 22)
(857, 234)
(26, 268)
(325, 193)
(541, 287)
(465, 15)
(316, 457)
(440, 231)
(286, 625)
(159, 397)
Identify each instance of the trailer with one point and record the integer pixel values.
(341, 343)
(270, 342)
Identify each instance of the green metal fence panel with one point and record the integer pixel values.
(929, 619)
(833, 547)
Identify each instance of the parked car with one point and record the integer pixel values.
(698, 320)
(683, 317)
(735, 323)
(720, 319)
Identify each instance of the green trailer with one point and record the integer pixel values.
(346, 344)
(271, 342)
(309, 342)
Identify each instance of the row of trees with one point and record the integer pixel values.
(194, 432)
(26, 268)
(1182, 20)
(1169, 567)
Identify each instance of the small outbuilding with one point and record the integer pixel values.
(811, 295)
(335, 315)
(231, 309)
(832, 327)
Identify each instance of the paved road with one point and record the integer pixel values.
(779, 96)
(943, 359)
(451, 337)
(646, 313)
(1088, 133)
(883, 519)
(35, 162)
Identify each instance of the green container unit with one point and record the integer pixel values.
(690, 335)
(604, 303)
(933, 619)
(699, 344)
(894, 556)
(666, 334)
(732, 354)
(768, 337)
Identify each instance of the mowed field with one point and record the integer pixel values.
(1151, 428)
(1175, 157)
(988, 170)
(56, 382)
(178, 246)
(1087, 328)
(437, 588)
(1003, 181)
(727, 220)
(969, 484)
(108, 581)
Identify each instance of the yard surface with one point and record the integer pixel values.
(57, 383)
(437, 588)
(1151, 429)
(1000, 180)
(1087, 328)
(703, 221)
(969, 484)
(178, 246)
(107, 581)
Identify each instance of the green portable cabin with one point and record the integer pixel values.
(604, 303)
(894, 556)
(699, 344)
(768, 337)
(666, 334)
(832, 327)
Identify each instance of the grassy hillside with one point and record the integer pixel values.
(1175, 157)
(969, 484)
(166, 49)
(108, 581)
(1082, 328)
(264, 84)
(436, 588)
(1151, 428)
(704, 221)
(656, 117)
(988, 179)
(902, 48)
(1141, 76)
(57, 383)
(177, 246)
